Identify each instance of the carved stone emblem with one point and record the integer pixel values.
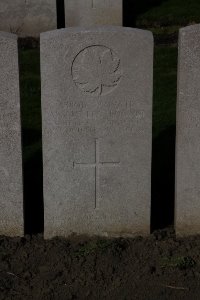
(96, 70)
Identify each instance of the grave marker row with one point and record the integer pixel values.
(31, 17)
(97, 120)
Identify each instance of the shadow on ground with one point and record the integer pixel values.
(163, 180)
(33, 185)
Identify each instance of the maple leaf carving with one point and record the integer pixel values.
(96, 70)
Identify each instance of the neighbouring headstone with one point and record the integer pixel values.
(97, 120)
(93, 12)
(11, 195)
(28, 17)
(187, 208)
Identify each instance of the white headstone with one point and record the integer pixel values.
(188, 133)
(28, 17)
(97, 120)
(11, 195)
(93, 12)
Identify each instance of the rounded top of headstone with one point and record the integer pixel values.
(97, 29)
(190, 28)
(8, 35)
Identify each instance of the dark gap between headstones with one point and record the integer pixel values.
(31, 138)
(163, 149)
(60, 4)
(133, 8)
(129, 18)
(163, 180)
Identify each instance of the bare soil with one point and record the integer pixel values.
(154, 268)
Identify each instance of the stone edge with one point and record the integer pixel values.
(96, 29)
(195, 27)
(8, 35)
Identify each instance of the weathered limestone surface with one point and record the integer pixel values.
(188, 133)
(93, 12)
(28, 17)
(11, 195)
(97, 120)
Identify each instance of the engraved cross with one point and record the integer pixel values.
(97, 165)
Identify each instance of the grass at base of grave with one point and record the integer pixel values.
(79, 267)
(171, 12)
(180, 262)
